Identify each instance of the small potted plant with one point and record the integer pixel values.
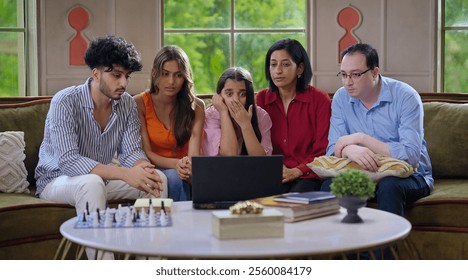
(353, 187)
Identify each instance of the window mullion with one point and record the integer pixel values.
(232, 61)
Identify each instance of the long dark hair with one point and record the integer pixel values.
(185, 106)
(240, 74)
(298, 55)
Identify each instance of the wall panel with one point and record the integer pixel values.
(138, 21)
(402, 31)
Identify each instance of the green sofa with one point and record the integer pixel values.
(440, 220)
(30, 226)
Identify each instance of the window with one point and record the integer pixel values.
(454, 45)
(218, 34)
(11, 47)
(15, 55)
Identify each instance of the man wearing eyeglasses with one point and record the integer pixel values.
(375, 115)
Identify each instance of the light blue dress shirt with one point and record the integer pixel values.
(73, 143)
(396, 119)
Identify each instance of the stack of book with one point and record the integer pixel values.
(302, 206)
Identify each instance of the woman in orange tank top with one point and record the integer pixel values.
(172, 120)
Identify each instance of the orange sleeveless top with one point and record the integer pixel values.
(162, 140)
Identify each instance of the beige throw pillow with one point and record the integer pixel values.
(330, 166)
(13, 173)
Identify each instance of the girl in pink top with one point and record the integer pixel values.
(234, 125)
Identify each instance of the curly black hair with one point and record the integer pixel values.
(111, 50)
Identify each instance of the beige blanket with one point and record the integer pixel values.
(330, 166)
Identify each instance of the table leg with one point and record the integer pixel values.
(80, 252)
(394, 252)
(62, 242)
(63, 247)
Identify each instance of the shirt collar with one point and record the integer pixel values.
(274, 96)
(385, 93)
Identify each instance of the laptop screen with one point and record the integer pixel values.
(221, 181)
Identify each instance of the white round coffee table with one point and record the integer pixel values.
(190, 236)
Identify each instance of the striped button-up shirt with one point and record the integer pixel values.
(73, 143)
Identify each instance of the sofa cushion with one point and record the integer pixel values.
(446, 133)
(446, 208)
(12, 171)
(27, 217)
(30, 118)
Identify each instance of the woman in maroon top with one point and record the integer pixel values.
(300, 113)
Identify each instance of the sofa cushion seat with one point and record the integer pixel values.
(18, 212)
(446, 133)
(445, 209)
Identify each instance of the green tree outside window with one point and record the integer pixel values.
(455, 49)
(9, 49)
(214, 40)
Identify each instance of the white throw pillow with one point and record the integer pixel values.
(13, 173)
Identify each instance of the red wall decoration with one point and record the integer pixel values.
(78, 18)
(350, 19)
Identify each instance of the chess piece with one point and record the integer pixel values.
(162, 218)
(151, 217)
(96, 218)
(108, 218)
(98, 215)
(128, 218)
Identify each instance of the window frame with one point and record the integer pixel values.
(233, 30)
(28, 52)
(440, 83)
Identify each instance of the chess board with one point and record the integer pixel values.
(141, 214)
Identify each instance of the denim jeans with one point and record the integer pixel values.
(178, 189)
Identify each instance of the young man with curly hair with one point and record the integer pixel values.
(86, 126)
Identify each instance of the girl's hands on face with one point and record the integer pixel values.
(219, 104)
(237, 111)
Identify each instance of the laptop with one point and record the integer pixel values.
(219, 182)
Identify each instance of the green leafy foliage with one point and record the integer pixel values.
(8, 13)
(213, 50)
(456, 52)
(9, 74)
(8, 49)
(352, 182)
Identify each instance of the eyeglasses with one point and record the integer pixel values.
(354, 76)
